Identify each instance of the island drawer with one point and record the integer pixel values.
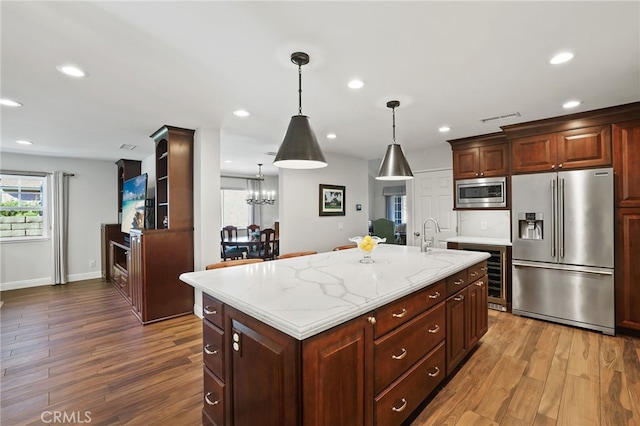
(213, 398)
(399, 400)
(397, 313)
(476, 271)
(212, 310)
(457, 282)
(398, 350)
(213, 348)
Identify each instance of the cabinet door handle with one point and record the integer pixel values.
(209, 351)
(208, 401)
(458, 282)
(372, 320)
(474, 274)
(483, 268)
(401, 314)
(434, 295)
(209, 311)
(435, 373)
(560, 165)
(404, 405)
(434, 330)
(402, 355)
(459, 298)
(480, 283)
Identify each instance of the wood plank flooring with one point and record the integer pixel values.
(77, 350)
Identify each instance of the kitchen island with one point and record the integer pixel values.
(327, 340)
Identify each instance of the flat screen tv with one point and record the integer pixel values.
(134, 194)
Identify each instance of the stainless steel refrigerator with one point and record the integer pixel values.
(563, 242)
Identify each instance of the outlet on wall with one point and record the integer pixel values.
(92, 263)
(483, 225)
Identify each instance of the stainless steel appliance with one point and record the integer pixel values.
(562, 225)
(496, 273)
(481, 193)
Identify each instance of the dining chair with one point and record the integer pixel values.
(384, 228)
(296, 254)
(345, 247)
(232, 263)
(266, 246)
(227, 251)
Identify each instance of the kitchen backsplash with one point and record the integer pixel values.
(484, 223)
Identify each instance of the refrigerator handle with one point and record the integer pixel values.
(553, 217)
(561, 218)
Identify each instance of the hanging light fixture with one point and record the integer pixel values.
(394, 165)
(300, 148)
(253, 197)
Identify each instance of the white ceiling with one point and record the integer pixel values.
(191, 64)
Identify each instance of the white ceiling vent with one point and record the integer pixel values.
(127, 147)
(500, 117)
(273, 154)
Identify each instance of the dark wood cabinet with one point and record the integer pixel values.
(457, 324)
(571, 149)
(108, 232)
(627, 267)
(478, 312)
(480, 156)
(127, 169)
(626, 163)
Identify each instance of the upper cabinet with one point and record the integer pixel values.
(626, 163)
(174, 178)
(572, 149)
(480, 156)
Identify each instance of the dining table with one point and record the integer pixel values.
(246, 241)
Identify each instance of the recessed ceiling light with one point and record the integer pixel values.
(24, 142)
(227, 161)
(561, 58)
(331, 136)
(71, 70)
(241, 113)
(571, 104)
(10, 102)
(444, 129)
(355, 84)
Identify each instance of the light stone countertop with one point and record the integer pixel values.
(480, 240)
(303, 296)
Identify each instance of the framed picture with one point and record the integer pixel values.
(332, 200)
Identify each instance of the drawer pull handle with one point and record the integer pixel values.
(483, 268)
(208, 401)
(404, 405)
(434, 330)
(474, 274)
(434, 295)
(434, 374)
(480, 283)
(401, 314)
(209, 311)
(402, 355)
(209, 351)
(458, 282)
(459, 298)
(372, 320)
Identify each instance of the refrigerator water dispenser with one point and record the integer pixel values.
(530, 226)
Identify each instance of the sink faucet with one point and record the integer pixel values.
(427, 244)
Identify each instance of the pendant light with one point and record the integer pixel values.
(394, 165)
(300, 148)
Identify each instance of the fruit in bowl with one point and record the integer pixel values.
(366, 245)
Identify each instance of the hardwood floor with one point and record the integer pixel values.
(78, 351)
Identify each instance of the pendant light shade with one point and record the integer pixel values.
(394, 165)
(300, 148)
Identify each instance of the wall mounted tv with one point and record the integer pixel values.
(134, 193)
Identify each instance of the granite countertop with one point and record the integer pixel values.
(303, 296)
(480, 240)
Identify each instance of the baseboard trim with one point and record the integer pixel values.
(38, 282)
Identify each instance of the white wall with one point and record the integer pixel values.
(92, 201)
(301, 227)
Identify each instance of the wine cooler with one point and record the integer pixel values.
(496, 271)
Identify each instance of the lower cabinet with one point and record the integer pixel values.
(375, 369)
(627, 267)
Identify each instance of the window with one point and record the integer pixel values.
(23, 213)
(235, 210)
(396, 203)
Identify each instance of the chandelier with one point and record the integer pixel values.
(254, 197)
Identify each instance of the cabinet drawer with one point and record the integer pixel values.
(212, 309)
(397, 351)
(476, 271)
(457, 282)
(213, 348)
(213, 398)
(396, 313)
(398, 401)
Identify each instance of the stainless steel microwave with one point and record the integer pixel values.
(481, 193)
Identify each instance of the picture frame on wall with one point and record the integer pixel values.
(331, 200)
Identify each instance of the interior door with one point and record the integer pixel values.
(433, 197)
